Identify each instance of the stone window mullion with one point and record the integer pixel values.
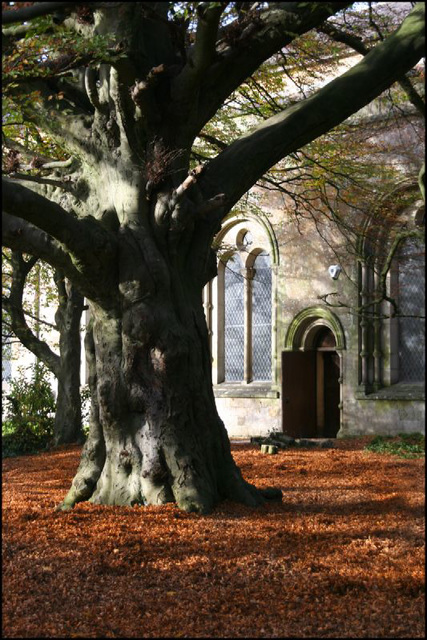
(377, 351)
(248, 275)
(364, 327)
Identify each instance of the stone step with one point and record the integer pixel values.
(319, 443)
(282, 441)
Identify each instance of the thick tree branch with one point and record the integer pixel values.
(19, 235)
(206, 33)
(14, 306)
(19, 201)
(203, 50)
(284, 133)
(92, 248)
(358, 45)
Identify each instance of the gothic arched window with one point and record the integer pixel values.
(392, 321)
(238, 307)
(409, 274)
(247, 318)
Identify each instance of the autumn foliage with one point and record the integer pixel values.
(341, 556)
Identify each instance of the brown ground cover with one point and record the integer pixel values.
(341, 556)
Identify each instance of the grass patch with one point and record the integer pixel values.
(404, 445)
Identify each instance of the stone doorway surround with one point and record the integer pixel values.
(312, 375)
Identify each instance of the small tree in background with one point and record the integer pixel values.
(30, 409)
(21, 286)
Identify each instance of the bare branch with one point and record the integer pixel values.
(58, 164)
(291, 129)
(189, 180)
(213, 140)
(36, 10)
(14, 307)
(61, 183)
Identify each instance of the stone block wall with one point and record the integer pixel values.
(246, 417)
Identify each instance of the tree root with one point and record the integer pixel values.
(86, 478)
(126, 477)
(271, 494)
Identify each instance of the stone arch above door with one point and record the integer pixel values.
(304, 328)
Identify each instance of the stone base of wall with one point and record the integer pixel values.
(246, 417)
(383, 417)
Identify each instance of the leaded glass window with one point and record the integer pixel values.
(261, 318)
(234, 332)
(247, 240)
(411, 301)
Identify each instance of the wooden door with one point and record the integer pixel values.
(299, 393)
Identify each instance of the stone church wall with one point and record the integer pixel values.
(301, 281)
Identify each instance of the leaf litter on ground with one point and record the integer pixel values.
(341, 556)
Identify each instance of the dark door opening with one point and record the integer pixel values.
(311, 390)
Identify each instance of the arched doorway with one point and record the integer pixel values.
(311, 376)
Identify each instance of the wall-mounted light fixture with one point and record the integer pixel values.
(334, 271)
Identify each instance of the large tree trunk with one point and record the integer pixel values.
(67, 427)
(68, 416)
(155, 434)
